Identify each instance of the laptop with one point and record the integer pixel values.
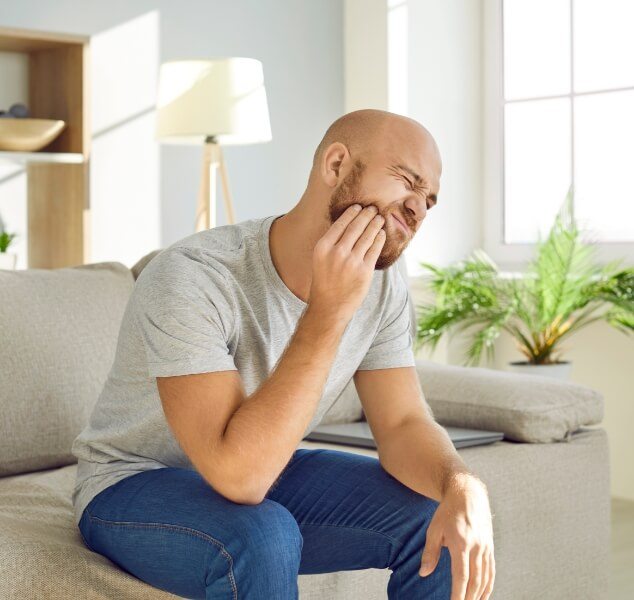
(359, 434)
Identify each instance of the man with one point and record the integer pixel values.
(233, 345)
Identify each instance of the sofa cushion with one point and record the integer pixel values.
(140, 264)
(59, 334)
(527, 408)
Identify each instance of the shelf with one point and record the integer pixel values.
(58, 205)
(21, 158)
(23, 40)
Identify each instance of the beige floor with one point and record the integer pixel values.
(622, 571)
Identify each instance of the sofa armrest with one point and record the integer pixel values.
(526, 408)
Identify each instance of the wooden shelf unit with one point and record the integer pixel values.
(57, 177)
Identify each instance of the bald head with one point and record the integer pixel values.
(369, 131)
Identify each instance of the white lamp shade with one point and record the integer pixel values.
(224, 98)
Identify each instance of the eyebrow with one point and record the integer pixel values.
(417, 178)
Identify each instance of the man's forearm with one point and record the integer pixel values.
(421, 455)
(263, 433)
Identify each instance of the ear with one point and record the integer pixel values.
(335, 163)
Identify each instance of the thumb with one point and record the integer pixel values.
(430, 557)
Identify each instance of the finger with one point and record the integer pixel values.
(368, 235)
(474, 586)
(459, 573)
(489, 588)
(486, 574)
(356, 227)
(372, 254)
(335, 231)
(431, 553)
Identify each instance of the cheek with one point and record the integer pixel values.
(389, 196)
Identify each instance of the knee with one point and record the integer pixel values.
(272, 534)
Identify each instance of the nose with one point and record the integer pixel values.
(416, 208)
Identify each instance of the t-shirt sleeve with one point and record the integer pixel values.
(184, 313)
(392, 345)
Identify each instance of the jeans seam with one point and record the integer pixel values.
(182, 529)
(83, 538)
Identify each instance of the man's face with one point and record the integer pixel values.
(396, 195)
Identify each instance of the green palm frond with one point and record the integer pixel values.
(5, 240)
(563, 290)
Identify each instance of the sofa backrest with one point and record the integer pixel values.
(58, 335)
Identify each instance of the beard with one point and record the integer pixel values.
(349, 192)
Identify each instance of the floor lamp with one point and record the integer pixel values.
(216, 103)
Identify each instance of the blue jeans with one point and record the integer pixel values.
(328, 511)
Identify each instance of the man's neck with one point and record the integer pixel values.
(292, 239)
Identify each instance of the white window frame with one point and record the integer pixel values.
(509, 256)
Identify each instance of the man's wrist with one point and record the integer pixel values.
(461, 481)
(326, 317)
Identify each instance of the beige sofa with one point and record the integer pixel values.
(548, 479)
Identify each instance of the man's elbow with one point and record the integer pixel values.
(243, 495)
(236, 487)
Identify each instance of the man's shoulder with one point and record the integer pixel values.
(219, 249)
(223, 238)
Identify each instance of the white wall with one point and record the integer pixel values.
(365, 53)
(144, 194)
(445, 93)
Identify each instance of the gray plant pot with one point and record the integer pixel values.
(560, 370)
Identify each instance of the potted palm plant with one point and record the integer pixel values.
(563, 290)
(7, 259)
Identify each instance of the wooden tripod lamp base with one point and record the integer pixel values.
(219, 102)
(213, 161)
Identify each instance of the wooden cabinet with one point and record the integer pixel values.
(57, 176)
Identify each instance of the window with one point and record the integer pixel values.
(560, 112)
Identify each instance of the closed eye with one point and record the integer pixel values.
(409, 183)
(412, 188)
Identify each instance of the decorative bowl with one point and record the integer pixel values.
(28, 135)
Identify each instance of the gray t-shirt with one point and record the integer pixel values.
(213, 301)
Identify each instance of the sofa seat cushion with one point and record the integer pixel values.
(526, 408)
(59, 334)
